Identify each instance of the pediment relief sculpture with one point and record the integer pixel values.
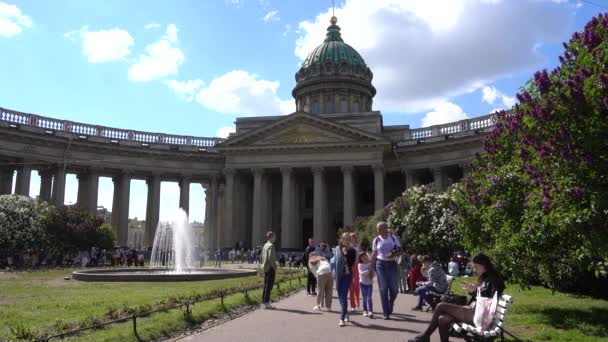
(301, 134)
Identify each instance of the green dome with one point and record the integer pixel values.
(333, 50)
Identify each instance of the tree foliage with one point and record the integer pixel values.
(537, 200)
(422, 218)
(22, 224)
(105, 237)
(72, 228)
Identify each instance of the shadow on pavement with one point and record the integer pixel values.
(380, 327)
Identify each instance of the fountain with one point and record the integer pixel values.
(172, 259)
(173, 246)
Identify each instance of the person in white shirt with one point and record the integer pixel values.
(386, 248)
(366, 275)
(321, 269)
(453, 268)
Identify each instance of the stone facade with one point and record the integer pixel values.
(301, 175)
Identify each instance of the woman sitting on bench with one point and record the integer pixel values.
(488, 281)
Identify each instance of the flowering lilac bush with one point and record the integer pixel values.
(538, 199)
(22, 224)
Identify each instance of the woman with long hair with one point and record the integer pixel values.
(488, 281)
(343, 260)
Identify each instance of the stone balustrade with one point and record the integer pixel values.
(462, 126)
(112, 135)
(50, 125)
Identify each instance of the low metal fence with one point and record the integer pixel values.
(185, 306)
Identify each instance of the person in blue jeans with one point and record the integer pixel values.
(342, 263)
(437, 283)
(365, 278)
(385, 250)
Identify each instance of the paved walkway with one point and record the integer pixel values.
(294, 320)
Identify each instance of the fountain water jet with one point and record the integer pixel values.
(172, 259)
(173, 247)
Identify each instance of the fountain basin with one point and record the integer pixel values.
(160, 274)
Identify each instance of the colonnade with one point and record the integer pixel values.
(52, 190)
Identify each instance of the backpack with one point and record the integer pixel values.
(392, 238)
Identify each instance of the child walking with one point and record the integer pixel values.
(365, 277)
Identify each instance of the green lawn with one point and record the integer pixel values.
(43, 299)
(538, 315)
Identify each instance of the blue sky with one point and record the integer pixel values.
(192, 67)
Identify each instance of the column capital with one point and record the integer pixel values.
(317, 169)
(378, 167)
(229, 171)
(347, 168)
(286, 169)
(257, 171)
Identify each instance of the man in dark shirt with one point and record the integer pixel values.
(311, 284)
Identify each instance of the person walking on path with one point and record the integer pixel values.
(354, 292)
(366, 274)
(269, 264)
(343, 260)
(311, 281)
(404, 265)
(386, 248)
(321, 268)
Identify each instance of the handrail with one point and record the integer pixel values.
(474, 124)
(82, 129)
(87, 130)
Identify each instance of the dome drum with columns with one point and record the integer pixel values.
(301, 175)
(334, 78)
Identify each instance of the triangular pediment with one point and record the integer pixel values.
(301, 130)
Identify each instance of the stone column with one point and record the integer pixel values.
(378, 186)
(83, 186)
(116, 204)
(6, 180)
(465, 167)
(184, 194)
(58, 195)
(438, 179)
(221, 214)
(349, 196)
(123, 202)
(92, 191)
(46, 184)
(320, 206)
(228, 224)
(259, 206)
(211, 215)
(289, 238)
(410, 178)
(24, 174)
(152, 208)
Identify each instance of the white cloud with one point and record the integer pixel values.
(491, 94)
(239, 92)
(103, 45)
(508, 101)
(287, 29)
(424, 51)
(186, 90)
(160, 59)
(12, 22)
(443, 112)
(224, 132)
(152, 26)
(271, 16)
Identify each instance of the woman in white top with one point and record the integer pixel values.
(321, 269)
(386, 248)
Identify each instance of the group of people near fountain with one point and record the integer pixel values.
(353, 271)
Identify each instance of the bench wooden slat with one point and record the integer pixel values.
(496, 325)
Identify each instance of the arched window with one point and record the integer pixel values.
(316, 107)
(343, 105)
(329, 105)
